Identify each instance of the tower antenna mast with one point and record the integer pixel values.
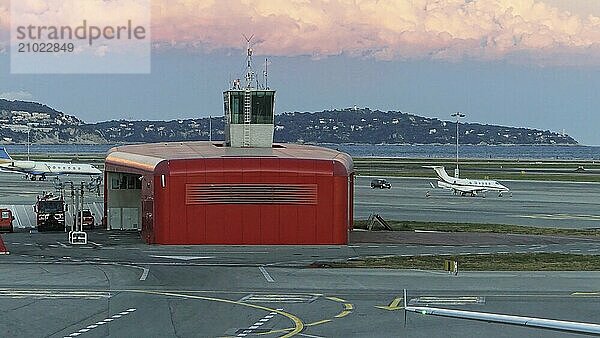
(266, 73)
(249, 71)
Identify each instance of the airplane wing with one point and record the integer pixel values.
(533, 322)
(10, 170)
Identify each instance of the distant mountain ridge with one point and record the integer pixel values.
(47, 125)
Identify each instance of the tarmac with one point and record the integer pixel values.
(542, 204)
(117, 286)
(533, 203)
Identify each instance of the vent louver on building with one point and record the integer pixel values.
(297, 194)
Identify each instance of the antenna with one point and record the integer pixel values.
(266, 73)
(249, 71)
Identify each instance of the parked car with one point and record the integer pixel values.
(88, 219)
(6, 220)
(381, 184)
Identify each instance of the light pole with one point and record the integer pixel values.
(28, 142)
(458, 116)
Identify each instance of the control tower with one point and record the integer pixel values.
(249, 110)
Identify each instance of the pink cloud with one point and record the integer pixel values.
(526, 30)
(384, 29)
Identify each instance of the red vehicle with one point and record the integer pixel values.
(88, 219)
(6, 220)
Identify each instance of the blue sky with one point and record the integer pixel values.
(539, 88)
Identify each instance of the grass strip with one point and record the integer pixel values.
(489, 262)
(482, 228)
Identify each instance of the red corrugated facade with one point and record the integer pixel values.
(282, 198)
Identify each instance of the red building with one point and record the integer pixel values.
(207, 193)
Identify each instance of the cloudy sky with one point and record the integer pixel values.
(514, 62)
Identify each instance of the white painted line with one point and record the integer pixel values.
(100, 323)
(12, 207)
(92, 326)
(253, 327)
(117, 316)
(309, 335)
(83, 330)
(144, 274)
(27, 215)
(183, 258)
(130, 310)
(62, 244)
(266, 274)
(108, 320)
(266, 319)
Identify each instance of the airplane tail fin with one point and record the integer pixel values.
(440, 171)
(4, 154)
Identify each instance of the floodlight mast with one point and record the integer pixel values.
(458, 116)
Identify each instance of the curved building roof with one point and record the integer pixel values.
(146, 157)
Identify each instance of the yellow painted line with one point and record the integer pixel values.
(343, 314)
(298, 324)
(319, 322)
(394, 305)
(347, 310)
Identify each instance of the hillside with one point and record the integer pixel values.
(46, 125)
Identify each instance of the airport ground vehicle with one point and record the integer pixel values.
(6, 220)
(88, 219)
(50, 212)
(381, 184)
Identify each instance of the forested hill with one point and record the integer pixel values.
(47, 125)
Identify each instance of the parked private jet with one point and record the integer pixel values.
(39, 170)
(465, 186)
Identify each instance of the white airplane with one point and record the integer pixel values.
(39, 170)
(465, 186)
